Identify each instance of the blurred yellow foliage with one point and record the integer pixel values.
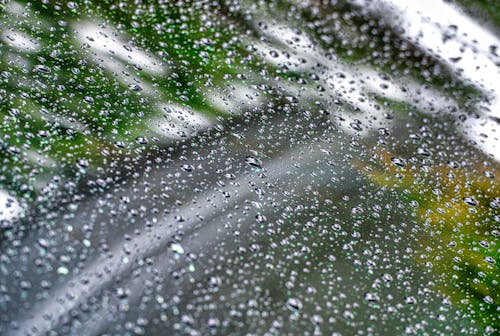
(458, 212)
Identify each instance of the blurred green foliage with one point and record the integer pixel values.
(486, 9)
(67, 113)
(64, 112)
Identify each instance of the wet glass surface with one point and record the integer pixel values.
(256, 168)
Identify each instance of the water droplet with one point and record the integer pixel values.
(43, 243)
(470, 201)
(82, 163)
(177, 248)
(387, 277)
(372, 297)
(410, 300)
(489, 174)
(260, 218)
(253, 161)
(135, 87)
(42, 68)
(62, 270)
(488, 299)
(141, 140)
(187, 167)
(399, 162)
(88, 100)
(294, 304)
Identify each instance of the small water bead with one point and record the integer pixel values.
(214, 281)
(62, 270)
(42, 68)
(135, 87)
(253, 161)
(470, 201)
(14, 112)
(43, 242)
(489, 174)
(213, 323)
(490, 260)
(122, 293)
(82, 163)
(372, 297)
(410, 300)
(356, 125)
(424, 152)
(187, 167)
(484, 244)
(489, 330)
(177, 248)
(488, 299)
(294, 304)
(119, 144)
(141, 140)
(399, 162)
(260, 218)
(72, 5)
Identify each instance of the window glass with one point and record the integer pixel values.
(249, 167)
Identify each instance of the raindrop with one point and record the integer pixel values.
(488, 299)
(62, 270)
(489, 174)
(260, 218)
(141, 140)
(410, 300)
(372, 297)
(294, 304)
(399, 162)
(187, 167)
(177, 248)
(135, 87)
(423, 151)
(470, 201)
(82, 163)
(42, 68)
(387, 277)
(253, 161)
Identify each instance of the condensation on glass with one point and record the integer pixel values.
(249, 167)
